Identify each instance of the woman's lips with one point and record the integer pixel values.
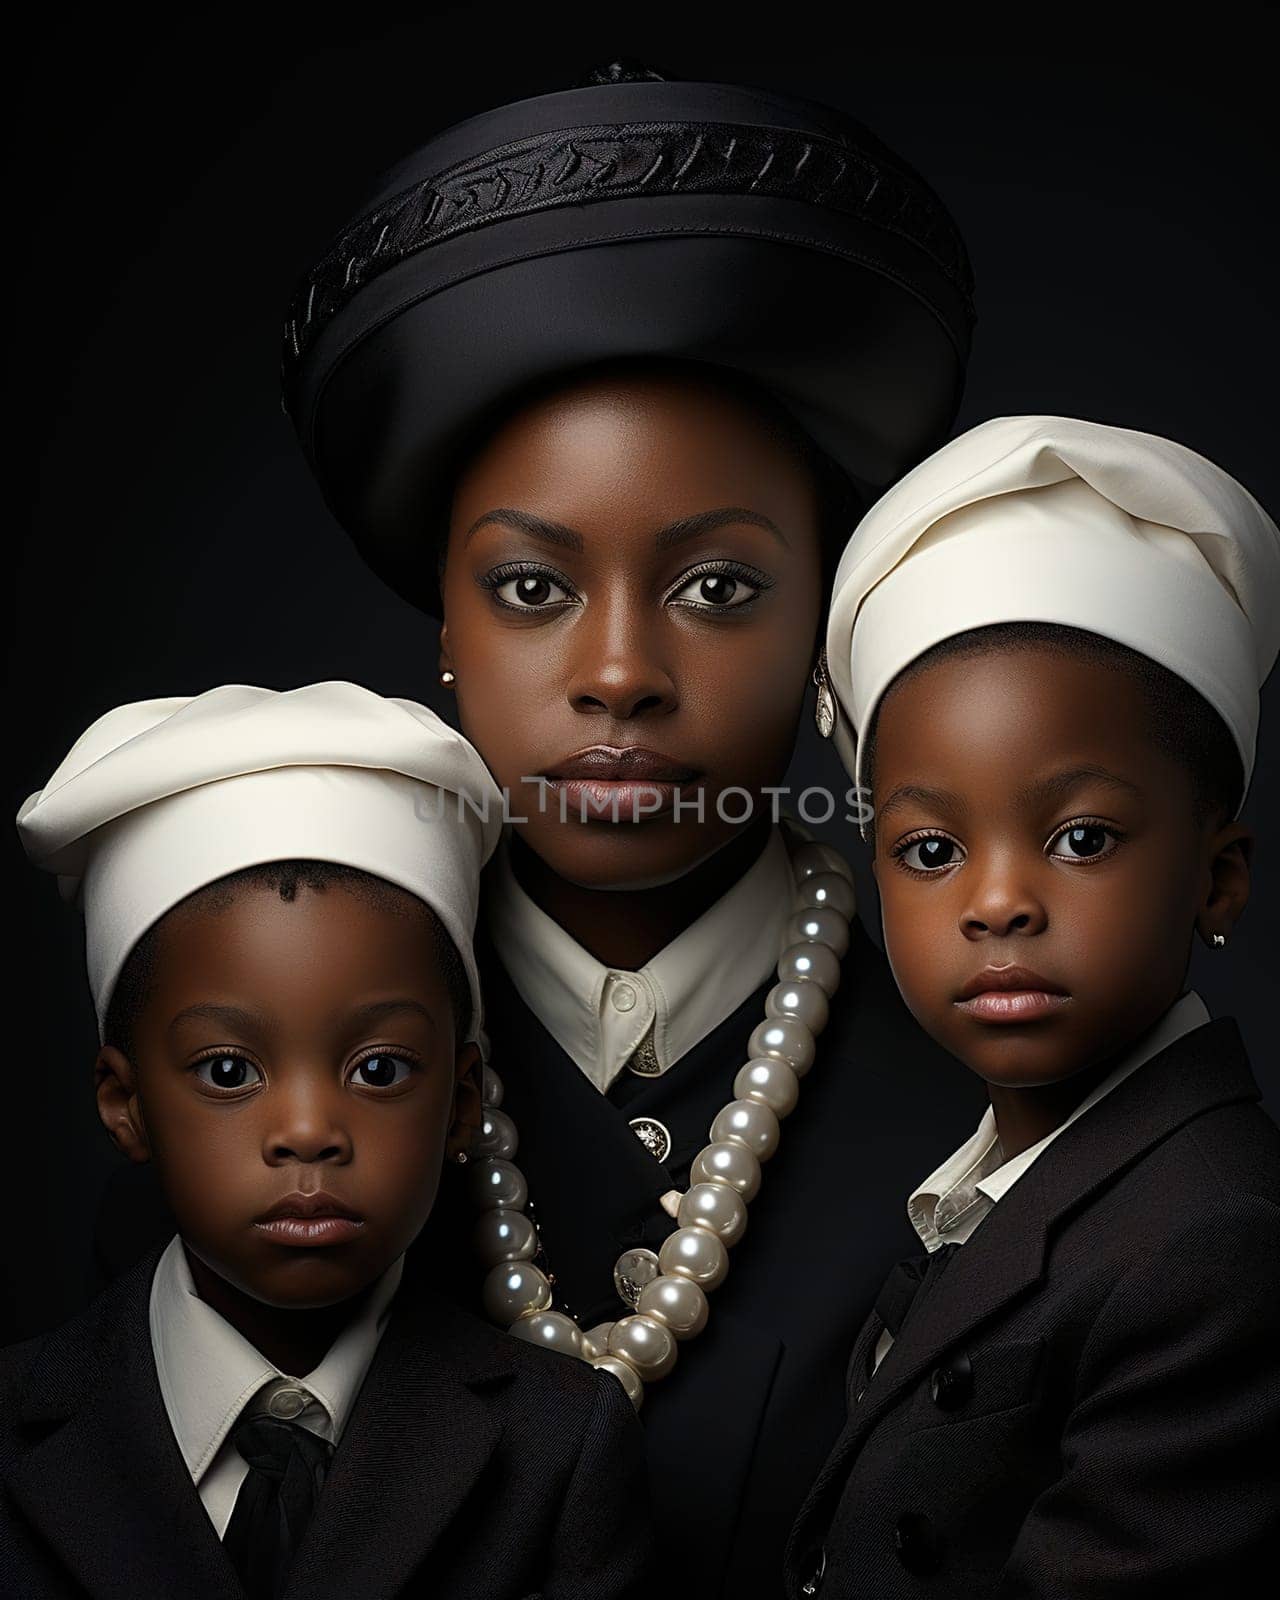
(310, 1219)
(608, 784)
(1011, 994)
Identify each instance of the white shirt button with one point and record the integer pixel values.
(623, 997)
(288, 1403)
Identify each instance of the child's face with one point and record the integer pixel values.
(1024, 819)
(690, 652)
(297, 1055)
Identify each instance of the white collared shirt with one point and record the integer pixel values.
(209, 1374)
(599, 1015)
(954, 1199)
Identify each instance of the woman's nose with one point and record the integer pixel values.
(618, 671)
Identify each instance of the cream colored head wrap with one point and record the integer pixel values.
(1051, 519)
(160, 797)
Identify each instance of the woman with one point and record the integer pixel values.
(600, 378)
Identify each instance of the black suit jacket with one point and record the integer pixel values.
(472, 1465)
(1087, 1404)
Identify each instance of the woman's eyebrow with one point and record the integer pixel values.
(705, 521)
(527, 522)
(685, 528)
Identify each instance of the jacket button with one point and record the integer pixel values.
(917, 1544)
(812, 1567)
(952, 1384)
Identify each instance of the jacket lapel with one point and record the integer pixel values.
(103, 1480)
(425, 1424)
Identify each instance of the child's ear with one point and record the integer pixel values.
(468, 1108)
(445, 662)
(1230, 854)
(117, 1090)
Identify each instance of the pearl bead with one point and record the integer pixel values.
(694, 1253)
(784, 1039)
(813, 962)
(677, 1302)
(749, 1124)
(715, 1207)
(807, 860)
(649, 1346)
(498, 1183)
(503, 1235)
(595, 1341)
(729, 1164)
(820, 926)
(769, 1082)
(828, 891)
(498, 1136)
(803, 1000)
(490, 1087)
(626, 1375)
(513, 1290)
(552, 1330)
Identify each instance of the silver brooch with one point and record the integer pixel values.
(655, 1136)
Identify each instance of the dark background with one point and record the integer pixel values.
(1117, 190)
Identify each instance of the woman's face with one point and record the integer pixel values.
(632, 593)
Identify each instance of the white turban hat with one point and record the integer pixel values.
(160, 797)
(1055, 520)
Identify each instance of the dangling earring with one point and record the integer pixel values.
(824, 710)
(1219, 940)
(448, 678)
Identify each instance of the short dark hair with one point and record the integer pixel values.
(284, 877)
(1182, 722)
(841, 504)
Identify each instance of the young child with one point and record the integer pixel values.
(279, 892)
(1048, 641)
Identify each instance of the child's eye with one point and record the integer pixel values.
(1083, 841)
(380, 1072)
(228, 1072)
(930, 854)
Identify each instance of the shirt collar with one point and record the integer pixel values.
(209, 1372)
(956, 1196)
(599, 1015)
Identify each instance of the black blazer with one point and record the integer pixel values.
(1087, 1404)
(471, 1465)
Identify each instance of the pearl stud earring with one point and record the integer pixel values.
(1219, 940)
(448, 678)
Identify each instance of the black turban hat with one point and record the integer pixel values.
(630, 216)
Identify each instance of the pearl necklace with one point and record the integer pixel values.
(668, 1292)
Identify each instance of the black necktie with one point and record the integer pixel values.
(287, 1467)
(908, 1284)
